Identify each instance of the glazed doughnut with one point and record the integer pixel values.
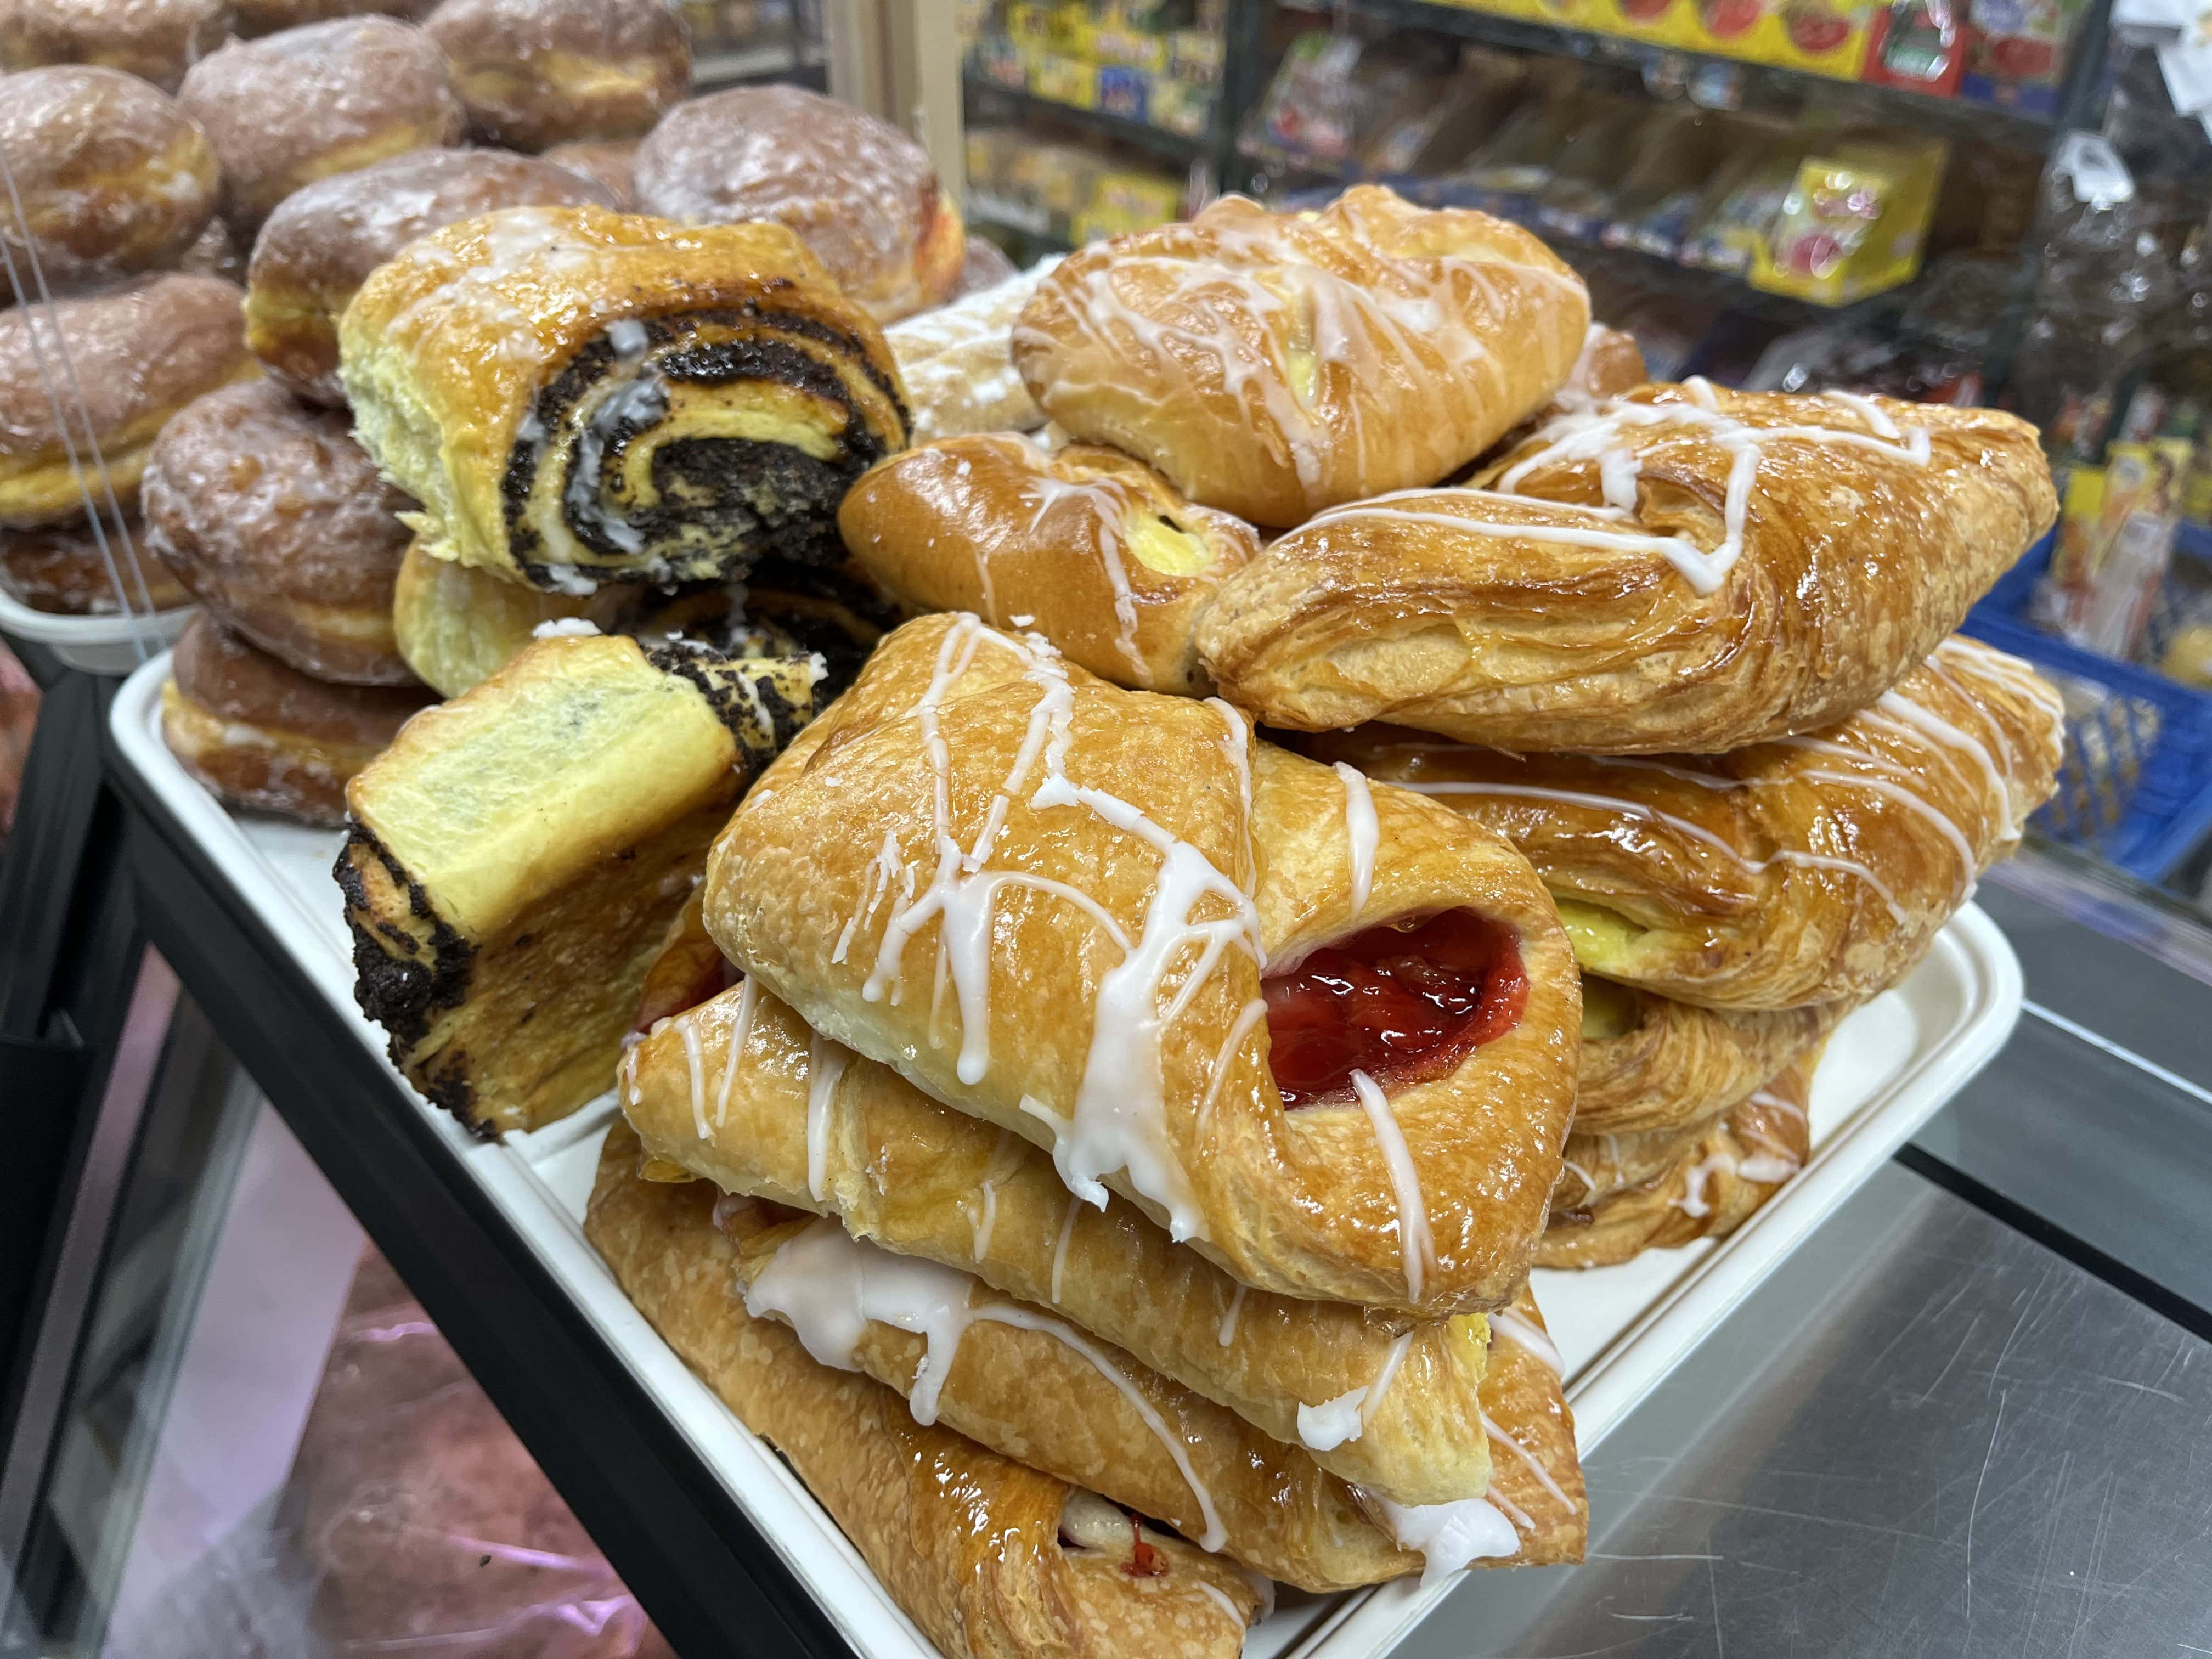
(267, 738)
(249, 19)
(139, 355)
(303, 104)
(61, 570)
(534, 73)
(321, 243)
(111, 176)
(156, 41)
(984, 265)
(859, 192)
(603, 161)
(275, 520)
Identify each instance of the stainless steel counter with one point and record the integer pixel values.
(1930, 1433)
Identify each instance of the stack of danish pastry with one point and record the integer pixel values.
(1374, 799)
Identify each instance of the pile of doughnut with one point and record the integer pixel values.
(204, 185)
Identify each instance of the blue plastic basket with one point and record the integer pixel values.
(2136, 787)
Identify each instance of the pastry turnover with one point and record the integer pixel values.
(1378, 1397)
(1050, 903)
(1811, 869)
(1651, 1191)
(577, 396)
(1678, 569)
(990, 1559)
(516, 855)
(957, 362)
(1651, 1064)
(1095, 551)
(1021, 1381)
(1275, 364)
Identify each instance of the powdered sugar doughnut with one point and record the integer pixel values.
(64, 569)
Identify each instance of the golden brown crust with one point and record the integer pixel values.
(1536, 1474)
(1302, 1202)
(62, 570)
(300, 105)
(265, 736)
(457, 627)
(1029, 1389)
(558, 69)
(967, 1541)
(322, 241)
(109, 174)
(140, 354)
(898, 1170)
(1545, 620)
(1711, 1186)
(605, 163)
(1274, 365)
(859, 192)
(577, 396)
(154, 40)
(1675, 1064)
(1815, 869)
(275, 520)
(1092, 550)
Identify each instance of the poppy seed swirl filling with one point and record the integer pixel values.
(681, 447)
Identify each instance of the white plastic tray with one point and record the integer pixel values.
(98, 645)
(1620, 1329)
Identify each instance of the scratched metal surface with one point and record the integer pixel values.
(1924, 1436)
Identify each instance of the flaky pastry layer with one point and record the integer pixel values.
(1095, 551)
(981, 1552)
(1274, 364)
(1680, 568)
(1378, 1398)
(1048, 903)
(1812, 869)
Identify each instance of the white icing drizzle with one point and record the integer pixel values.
(1059, 1250)
(1775, 1102)
(1531, 1339)
(741, 1029)
(1225, 1604)
(988, 1220)
(1120, 1118)
(1528, 1461)
(727, 1205)
(1331, 1424)
(1415, 1247)
(1449, 1536)
(825, 1064)
(1247, 1016)
(1579, 1173)
(1236, 748)
(829, 1286)
(689, 1029)
(1361, 832)
(1228, 1331)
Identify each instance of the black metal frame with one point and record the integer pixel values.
(696, 1562)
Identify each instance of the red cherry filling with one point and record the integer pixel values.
(1403, 1002)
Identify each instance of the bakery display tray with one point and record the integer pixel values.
(98, 645)
(1620, 1329)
